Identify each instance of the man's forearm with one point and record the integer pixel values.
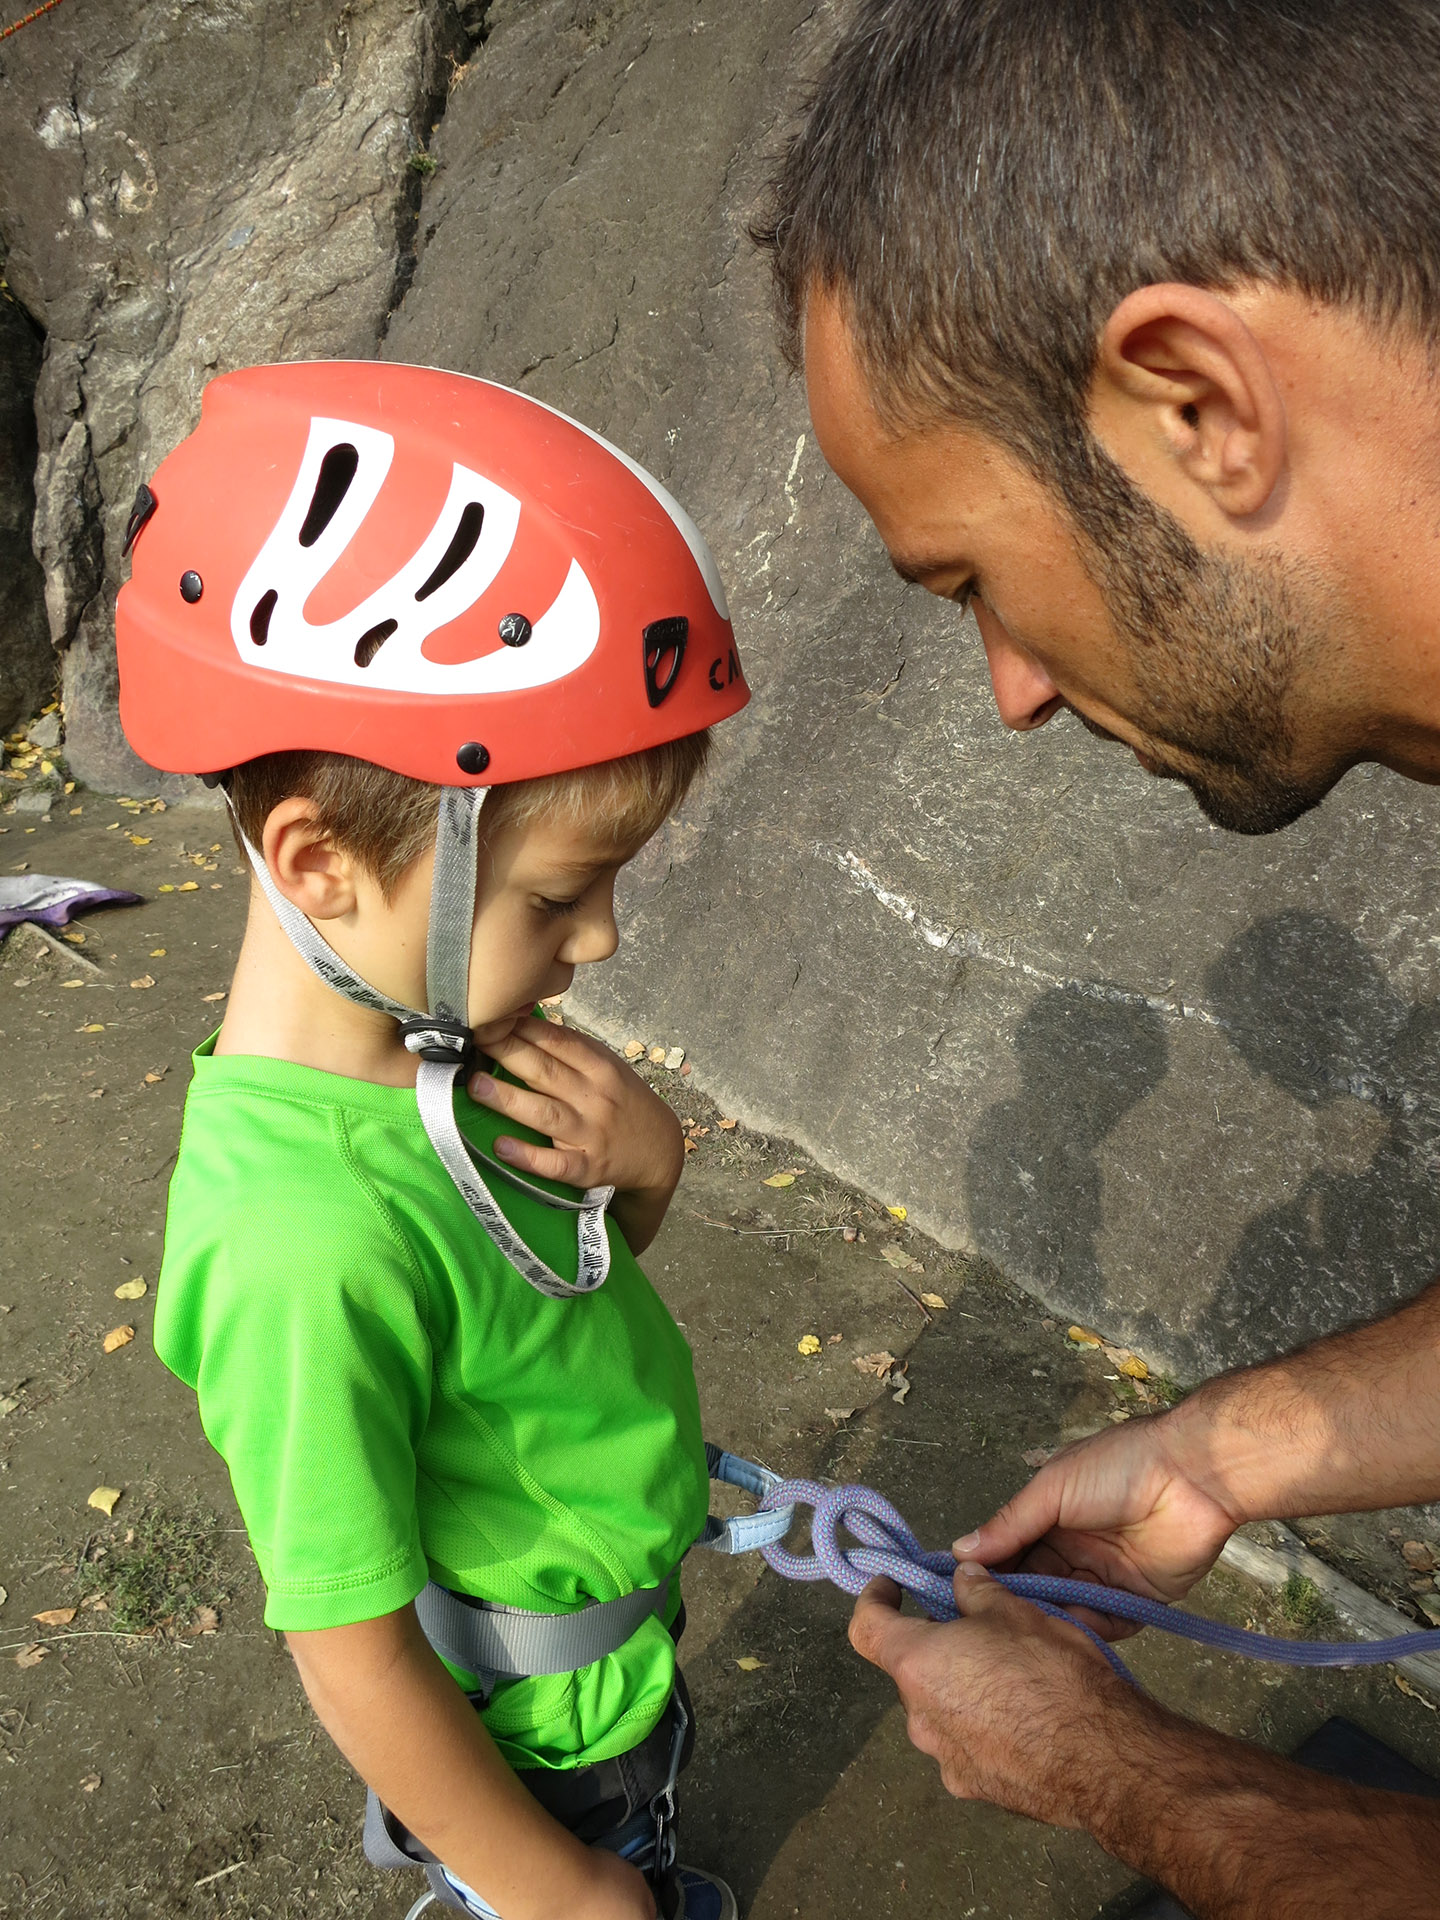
(1237, 1834)
(1349, 1423)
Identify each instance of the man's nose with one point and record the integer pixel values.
(1024, 693)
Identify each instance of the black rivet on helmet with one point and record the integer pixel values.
(515, 629)
(472, 757)
(191, 586)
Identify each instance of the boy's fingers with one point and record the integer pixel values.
(551, 1163)
(538, 1110)
(530, 1060)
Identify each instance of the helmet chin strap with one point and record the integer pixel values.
(442, 1039)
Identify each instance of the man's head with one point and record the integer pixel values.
(352, 846)
(1061, 273)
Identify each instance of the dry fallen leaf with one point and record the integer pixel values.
(898, 1257)
(898, 1213)
(138, 839)
(157, 953)
(135, 1289)
(1083, 1337)
(145, 980)
(31, 1656)
(188, 886)
(1411, 1693)
(1037, 1456)
(675, 1059)
(90, 1783)
(779, 1180)
(898, 1396)
(212, 996)
(1419, 1555)
(154, 1079)
(634, 1049)
(934, 1300)
(747, 1663)
(116, 1338)
(1133, 1368)
(104, 1498)
(656, 1056)
(835, 1339)
(95, 1026)
(206, 1620)
(55, 1616)
(95, 1603)
(808, 1344)
(727, 1126)
(96, 1093)
(879, 1364)
(72, 983)
(839, 1414)
(165, 888)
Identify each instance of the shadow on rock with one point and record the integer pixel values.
(1033, 1179)
(1306, 1005)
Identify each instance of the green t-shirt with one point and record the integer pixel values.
(396, 1404)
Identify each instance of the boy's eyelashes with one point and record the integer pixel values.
(557, 909)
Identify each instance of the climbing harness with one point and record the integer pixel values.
(887, 1546)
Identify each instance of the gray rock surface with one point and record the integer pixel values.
(1182, 1085)
(188, 189)
(27, 661)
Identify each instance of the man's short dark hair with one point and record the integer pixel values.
(981, 182)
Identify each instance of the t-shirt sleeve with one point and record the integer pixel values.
(309, 1356)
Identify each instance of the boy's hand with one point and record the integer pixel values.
(608, 1128)
(617, 1891)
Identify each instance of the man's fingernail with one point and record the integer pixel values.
(482, 1086)
(972, 1569)
(968, 1545)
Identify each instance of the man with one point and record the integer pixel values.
(1120, 318)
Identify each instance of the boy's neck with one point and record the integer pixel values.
(280, 1010)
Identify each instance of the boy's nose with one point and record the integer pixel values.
(1025, 694)
(596, 940)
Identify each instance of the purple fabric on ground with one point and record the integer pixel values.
(51, 900)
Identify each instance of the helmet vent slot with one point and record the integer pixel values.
(260, 617)
(337, 470)
(664, 649)
(462, 544)
(369, 644)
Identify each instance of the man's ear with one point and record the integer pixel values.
(1181, 375)
(305, 864)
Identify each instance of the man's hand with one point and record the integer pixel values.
(1008, 1700)
(1117, 1508)
(608, 1129)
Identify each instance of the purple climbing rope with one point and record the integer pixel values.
(887, 1546)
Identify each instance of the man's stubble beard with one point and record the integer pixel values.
(1220, 649)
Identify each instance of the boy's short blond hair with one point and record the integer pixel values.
(386, 820)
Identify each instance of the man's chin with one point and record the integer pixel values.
(1252, 806)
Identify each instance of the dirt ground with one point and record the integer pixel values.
(178, 1771)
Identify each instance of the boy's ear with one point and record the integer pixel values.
(311, 872)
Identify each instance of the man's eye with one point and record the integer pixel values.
(962, 596)
(557, 909)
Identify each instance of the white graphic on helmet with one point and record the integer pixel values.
(378, 644)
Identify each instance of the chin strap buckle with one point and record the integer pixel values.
(435, 1037)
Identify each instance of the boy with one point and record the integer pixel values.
(364, 598)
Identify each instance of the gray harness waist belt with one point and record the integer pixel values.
(486, 1639)
(512, 1643)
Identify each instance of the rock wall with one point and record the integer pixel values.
(1179, 1084)
(189, 189)
(28, 666)
(1182, 1085)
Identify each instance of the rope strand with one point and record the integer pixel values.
(5, 32)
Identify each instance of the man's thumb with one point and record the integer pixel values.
(978, 1592)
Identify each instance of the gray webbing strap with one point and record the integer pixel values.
(447, 981)
(508, 1641)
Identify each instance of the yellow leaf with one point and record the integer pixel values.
(55, 1616)
(1134, 1369)
(139, 839)
(779, 1180)
(104, 1498)
(747, 1663)
(72, 983)
(727, 1126)
(145, 980)
(1083, 1337)
(95, 1026)
(135, 1289)
(212, 996)
(898, 1213)
(808, 1345)
(933, 1300)
(116, 1338)
(188, 886)
(157, 953)
(634, 1049)
(167, 888)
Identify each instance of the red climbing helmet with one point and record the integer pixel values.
(422, 570)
